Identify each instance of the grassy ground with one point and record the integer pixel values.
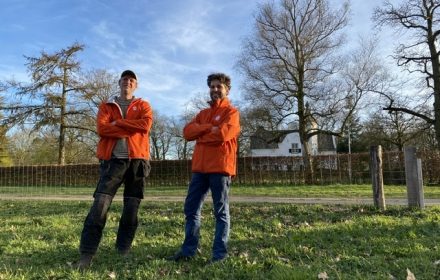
(343, 191)
(39, 240)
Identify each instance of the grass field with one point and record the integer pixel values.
(323, 191)
(39, 240)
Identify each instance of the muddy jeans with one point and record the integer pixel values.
(114, 172)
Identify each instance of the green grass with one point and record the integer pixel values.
(39, 240)
(343, 191)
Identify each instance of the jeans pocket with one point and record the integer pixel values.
(229, 182)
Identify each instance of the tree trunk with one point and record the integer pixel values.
(185, 150)
(61, 145)
(436, 80)
(437, 107)
(437, 118)
(308, 164)
(62, 136)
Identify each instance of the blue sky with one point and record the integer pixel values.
(171, 45)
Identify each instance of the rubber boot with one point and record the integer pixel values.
(127, 225)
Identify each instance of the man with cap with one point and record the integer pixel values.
(123, 125)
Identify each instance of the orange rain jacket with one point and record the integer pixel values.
(215, 150)
(135, 127)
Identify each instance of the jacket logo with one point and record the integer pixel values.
(134, 108)
(217, 118)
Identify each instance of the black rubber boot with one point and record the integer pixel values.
(127, 225)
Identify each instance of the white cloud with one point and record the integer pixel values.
(192, 29)
(171, 45)
(110, 43)
(191, 35)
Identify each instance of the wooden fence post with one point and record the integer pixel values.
(414, 179)
(377, 176)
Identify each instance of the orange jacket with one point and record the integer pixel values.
(216, 149)
(135, 127)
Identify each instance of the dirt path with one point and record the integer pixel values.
(241, 199)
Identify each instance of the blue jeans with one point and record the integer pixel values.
(200, 184)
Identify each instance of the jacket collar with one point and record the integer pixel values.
(220, 102)
(113, 99)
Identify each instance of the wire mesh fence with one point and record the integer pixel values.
(329, 169)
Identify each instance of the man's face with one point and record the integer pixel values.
(217, 90)
(128, 84)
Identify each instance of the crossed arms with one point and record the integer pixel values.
(107, 126)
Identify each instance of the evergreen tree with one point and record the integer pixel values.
(51, 98)
(60, 98)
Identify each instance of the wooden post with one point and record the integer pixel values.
(414, 179)
(377, 176)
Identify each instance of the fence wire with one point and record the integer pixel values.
(329, 169)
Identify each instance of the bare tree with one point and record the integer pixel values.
(161, 137)
(182, 148)
(29, 147)
(196, 103)
(289, 60)
(251, 119)
(33, 147)
(98, 86)
(418, 53)
(21, 145)
(392, 130)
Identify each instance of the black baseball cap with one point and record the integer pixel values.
(129, 73)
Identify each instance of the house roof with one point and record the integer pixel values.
(265, 139)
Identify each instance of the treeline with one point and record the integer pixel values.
(299, 74)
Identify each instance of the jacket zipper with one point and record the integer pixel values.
(122, 117)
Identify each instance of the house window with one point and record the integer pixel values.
(295, 149)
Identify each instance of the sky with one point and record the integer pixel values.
(171, 45)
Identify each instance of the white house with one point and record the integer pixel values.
(265, 143)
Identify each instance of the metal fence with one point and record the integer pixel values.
(331, 169)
